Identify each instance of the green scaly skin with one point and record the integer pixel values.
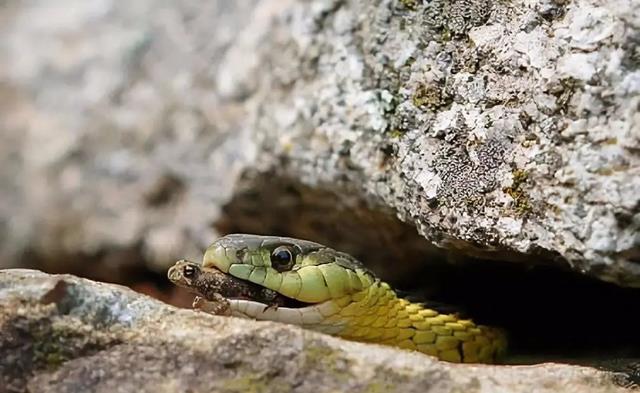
(335, 294)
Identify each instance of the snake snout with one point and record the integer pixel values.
(220, 257)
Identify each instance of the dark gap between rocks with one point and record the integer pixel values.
(550, 312)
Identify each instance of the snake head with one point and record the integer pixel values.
(300, 270)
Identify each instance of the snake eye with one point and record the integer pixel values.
(282, 258)
(189, 271)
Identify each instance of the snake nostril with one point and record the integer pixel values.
(240, 255)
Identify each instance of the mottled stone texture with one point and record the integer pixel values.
(64, 334)
(491, 126)
(497, 128)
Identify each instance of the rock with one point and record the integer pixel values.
(506, 130)
(495, 128)
(115, 148)
(59, 333)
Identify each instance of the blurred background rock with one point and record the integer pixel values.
(116, 148)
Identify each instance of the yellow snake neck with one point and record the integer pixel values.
(376, 314)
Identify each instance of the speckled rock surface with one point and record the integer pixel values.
(498, 129)
(65, 334)
(492, 126)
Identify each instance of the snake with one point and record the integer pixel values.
(303, 283)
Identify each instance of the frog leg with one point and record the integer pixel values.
(218, 306)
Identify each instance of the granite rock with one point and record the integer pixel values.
(60, 333)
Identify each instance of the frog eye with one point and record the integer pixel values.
(189, 271)
(282, 258)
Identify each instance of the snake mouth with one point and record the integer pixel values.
(211, 282)
(258, 294)
(291, 303)
(301, 314)
(248, 299)
(239, 290)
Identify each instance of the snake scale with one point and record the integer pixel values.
(310, 285)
